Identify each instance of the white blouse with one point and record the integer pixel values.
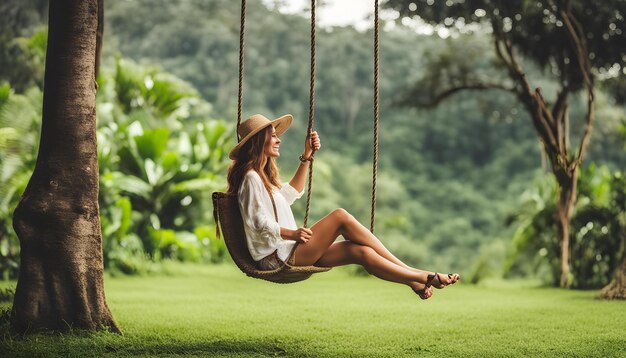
(262, 230)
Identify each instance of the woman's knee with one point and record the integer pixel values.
(343, 216)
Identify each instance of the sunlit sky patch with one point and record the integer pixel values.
(359, 13)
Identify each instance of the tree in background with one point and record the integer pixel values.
(598, 229)
(197, 40)
(60, 284)
(577, 41)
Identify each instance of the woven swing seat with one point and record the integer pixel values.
(228, 217)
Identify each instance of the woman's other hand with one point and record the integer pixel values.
(312, 143)
(302, 235)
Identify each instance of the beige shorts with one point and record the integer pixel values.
(272, 262)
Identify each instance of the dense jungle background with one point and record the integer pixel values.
(462, 186)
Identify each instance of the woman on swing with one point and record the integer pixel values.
(271, 232)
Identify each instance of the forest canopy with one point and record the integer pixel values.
(461, 186)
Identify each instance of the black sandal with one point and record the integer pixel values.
(421, 292)
(440, 285)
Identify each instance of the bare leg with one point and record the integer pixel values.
(328, 229)
(354, 231)
(351, 229)
(347, 252)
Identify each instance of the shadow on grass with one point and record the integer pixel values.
(241, 347)
(83, 344)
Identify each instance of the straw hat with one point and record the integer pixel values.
(256, 123)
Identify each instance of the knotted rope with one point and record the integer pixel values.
(241, 45)
(311, 113)
(311, 92)
(375, 160)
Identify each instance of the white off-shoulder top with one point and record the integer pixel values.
(262, 230)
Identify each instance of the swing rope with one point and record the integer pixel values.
(311, 93)
(311, 113)
(375, 159)
(241, 45)
(226, 211)
(225, 205)
(312, 102)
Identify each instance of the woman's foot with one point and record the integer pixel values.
(439, 280)
(446, 279)
(425, 292)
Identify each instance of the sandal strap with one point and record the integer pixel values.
(441, 284)
(430, 278)
(421, 292)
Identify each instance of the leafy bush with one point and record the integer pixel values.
(597, 230)
(20, 118)
(160, 157)
(216, 248)
(598, 240)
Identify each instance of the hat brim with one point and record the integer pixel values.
(280, 124)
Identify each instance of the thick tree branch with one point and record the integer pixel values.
(542, 127)
(558, 114)
(497, 45)
(566, 127)
(432, 101)
(576, 35)
(510, 61)
(542, 119)
(548, 122)
(561, 102)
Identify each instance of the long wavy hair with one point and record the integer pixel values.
(251, 157)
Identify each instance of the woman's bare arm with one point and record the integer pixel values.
(299, 178)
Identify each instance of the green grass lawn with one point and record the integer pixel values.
(217, 311)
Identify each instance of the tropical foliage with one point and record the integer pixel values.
(448, 177)
(160, 157)
(20, 116)
(598, 227)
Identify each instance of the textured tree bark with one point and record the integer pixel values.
(552, 127)
(565, 205)
(616, 290)
(60, 284)
(100, 35)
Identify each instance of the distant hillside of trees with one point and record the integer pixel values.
(448, 178)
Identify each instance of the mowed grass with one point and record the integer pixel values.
(217, 311)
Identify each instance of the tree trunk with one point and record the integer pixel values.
(567, 199)
(99, 36)
(60, 284)
(616, 290)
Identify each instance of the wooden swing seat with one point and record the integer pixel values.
(228, 217)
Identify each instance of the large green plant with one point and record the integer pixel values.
(599, 224)
(22, 58)
(20, 115)
(598, 243)
(160, 159)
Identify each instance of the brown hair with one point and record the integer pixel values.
(250, 157)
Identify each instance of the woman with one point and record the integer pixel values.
(271, 231)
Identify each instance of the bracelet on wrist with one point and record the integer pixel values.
(304, 159)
